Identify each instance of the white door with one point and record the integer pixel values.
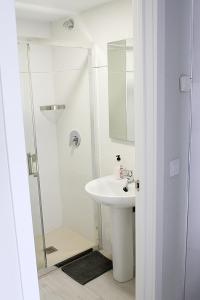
(18, 275)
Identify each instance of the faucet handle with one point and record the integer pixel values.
(129, 173)
(129, 179)
(124, 173)
(129, 176)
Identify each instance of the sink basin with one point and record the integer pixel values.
(109, 191)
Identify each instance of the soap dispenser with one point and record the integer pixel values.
(118, 168)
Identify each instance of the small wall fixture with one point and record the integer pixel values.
(74, 139)
(69, 24)
(52, 112)
(52, 107)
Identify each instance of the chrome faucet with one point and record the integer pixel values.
(128, 174)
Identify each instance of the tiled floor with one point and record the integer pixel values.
(58, 286)
(67, 242)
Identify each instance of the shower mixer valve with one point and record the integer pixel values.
(74, 139)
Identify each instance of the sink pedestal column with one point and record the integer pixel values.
(122, 243)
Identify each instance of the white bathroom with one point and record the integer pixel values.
(99, 149)
(77, 88)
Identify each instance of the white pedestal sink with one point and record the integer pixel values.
(109, 191)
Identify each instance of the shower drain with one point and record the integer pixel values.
(50, 250)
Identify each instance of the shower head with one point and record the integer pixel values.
(69, 24)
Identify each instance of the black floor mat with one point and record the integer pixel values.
(72, 258)
(88, 267)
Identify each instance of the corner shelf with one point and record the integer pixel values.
(52, 112)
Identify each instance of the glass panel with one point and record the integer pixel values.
(120, 90)
(60, 78)
(31, 151)
(117, 89)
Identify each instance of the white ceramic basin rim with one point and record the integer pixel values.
(109, 191)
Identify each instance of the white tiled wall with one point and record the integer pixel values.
(72, 89)
(106, 23)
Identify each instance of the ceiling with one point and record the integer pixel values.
(51, 10)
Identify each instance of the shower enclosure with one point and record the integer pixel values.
(58, 116)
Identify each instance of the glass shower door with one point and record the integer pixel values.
(32, 163)
(51, 77)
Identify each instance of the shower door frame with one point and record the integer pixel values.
(94, 142)
(149, 33)
(36, 153)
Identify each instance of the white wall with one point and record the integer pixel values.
(177, 15)
(103, 24)
(72, 89)
(107, 23)
(31, 29)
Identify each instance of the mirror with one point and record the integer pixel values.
(120, 90)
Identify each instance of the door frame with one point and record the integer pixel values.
(149, 33)
(149, 116)
(15, 200)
